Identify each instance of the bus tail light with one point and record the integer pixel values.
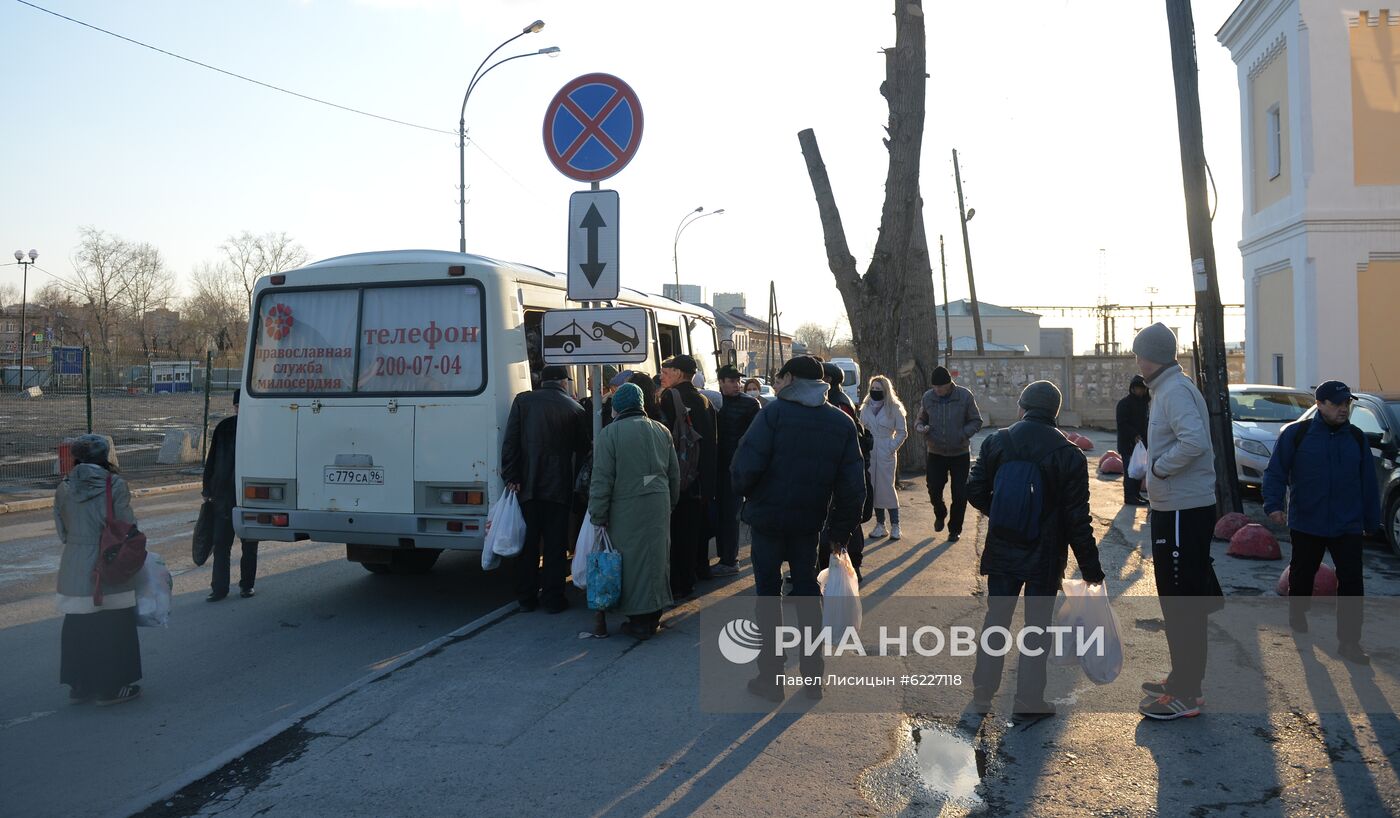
(263, 518)
(270, 493)
(461, 498)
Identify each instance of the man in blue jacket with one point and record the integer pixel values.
(799, 470)
(1322, 470)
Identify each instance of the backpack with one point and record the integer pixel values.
(1018, 497)
(687, 442)
(1302, 427)
(121, 551)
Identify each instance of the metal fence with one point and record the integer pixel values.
(158, 414)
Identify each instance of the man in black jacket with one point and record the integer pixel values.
(799, 470)
(735, 416)
(689, 520)
(221, 487)
(1132, 430)
(1037, 566)
(546, 439)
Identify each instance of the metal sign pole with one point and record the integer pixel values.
(597, 375)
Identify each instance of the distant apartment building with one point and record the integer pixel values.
(1004, 330)
(1320, 119)
(689, 293)
(724, 302)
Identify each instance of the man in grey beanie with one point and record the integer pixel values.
(1181, 492)
(1033, 484)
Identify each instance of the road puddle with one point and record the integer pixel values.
(935, 769)
(949, 764)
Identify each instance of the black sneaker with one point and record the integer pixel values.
(1166, 707)
(954, 536)
(938, 522)
(215, 596)
(1352, 652)
(1157, 688)
(246, 593)
(1033, 710)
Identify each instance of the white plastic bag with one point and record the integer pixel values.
(490, 558)
(154, 587)
(1137, 466)
(841, 608)
(1086, 608)
(587, 536)
(505, 528)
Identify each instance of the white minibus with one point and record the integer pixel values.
(376, 389)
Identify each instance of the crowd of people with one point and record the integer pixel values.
(678, 466)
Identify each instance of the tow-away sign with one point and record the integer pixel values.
(606, 335)
(593, 245)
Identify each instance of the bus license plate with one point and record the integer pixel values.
(356, 476)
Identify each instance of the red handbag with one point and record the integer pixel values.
(121, 551)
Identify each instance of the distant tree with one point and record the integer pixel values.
(215, 313)
(101, 274)
(149, 287)
(249, 257)
(819, 339)
(9, 295)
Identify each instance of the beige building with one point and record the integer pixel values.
(1003, 329)
(1320, 115)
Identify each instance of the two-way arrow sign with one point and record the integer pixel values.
(593, 245)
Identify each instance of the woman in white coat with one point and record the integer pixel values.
(884, 415)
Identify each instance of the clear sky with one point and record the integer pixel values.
(1063, 113)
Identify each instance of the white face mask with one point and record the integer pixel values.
(755, 392)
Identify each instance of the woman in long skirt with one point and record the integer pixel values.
(884, 415)
(636, 483)
(101, 655)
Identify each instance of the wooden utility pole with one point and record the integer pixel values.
(967, 251)
(947, 322)
(1210, 316)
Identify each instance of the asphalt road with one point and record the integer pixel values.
(218, 674)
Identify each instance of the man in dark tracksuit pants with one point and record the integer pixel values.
(948, 418)
(734, 419)
(221, 487)
(690, 537)
(1322, 470)
(1181, 490)
(800, 471)
(1132, 429)
(547, 436)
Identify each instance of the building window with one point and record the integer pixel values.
(1278, 370)
(1275, 136)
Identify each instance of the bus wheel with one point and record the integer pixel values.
(417, 561)
(375, 567)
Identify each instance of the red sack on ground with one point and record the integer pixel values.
(1110, 463)
(1081, 441)
(1254, 542)
(1324, 584)
(1229, 525)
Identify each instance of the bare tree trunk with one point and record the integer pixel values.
(890, 307)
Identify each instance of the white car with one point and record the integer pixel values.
(1259, 414)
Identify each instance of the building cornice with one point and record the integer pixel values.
(1241, 32)
(1267, 56)
(1296, 227)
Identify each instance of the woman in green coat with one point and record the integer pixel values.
(636, 483)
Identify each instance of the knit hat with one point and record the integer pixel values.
(832, 374)
(1042, 397)
(628, 396)
(684, 363)
(554, 373)
(1137, 381)
(941, 376)
(802, 366)
(1156, 344)
(89, 449)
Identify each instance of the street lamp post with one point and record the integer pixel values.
(24, 305)
(462, 119)
(686, 221)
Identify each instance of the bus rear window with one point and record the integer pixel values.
(305, 343)
(421, 339)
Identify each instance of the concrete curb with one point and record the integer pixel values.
(47, 502)
(170, 788)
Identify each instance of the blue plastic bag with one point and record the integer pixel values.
(604, 574)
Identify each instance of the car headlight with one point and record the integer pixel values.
(1253, 447)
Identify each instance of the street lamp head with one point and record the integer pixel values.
(534, 28)
(19, 255)
(700, 209)
(717, 212)
(552, 51)
(33, 254)
(971, 211)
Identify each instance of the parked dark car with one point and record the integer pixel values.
(1377, 414)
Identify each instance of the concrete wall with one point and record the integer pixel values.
(1092, 385)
